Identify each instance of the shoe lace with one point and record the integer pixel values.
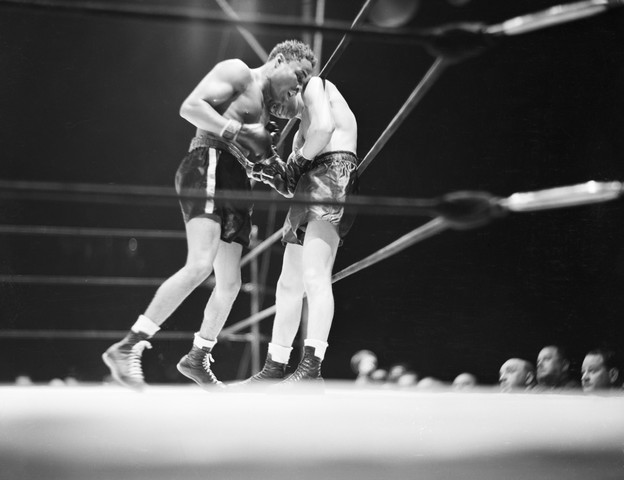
(206, 361)
(305, 367)
(135, 369)
(298, 374)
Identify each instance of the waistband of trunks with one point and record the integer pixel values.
(210, 140)
(330, 157)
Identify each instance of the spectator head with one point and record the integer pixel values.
(379, 376)
(408, 379)
(395, 371)
(516, 374)
(23, 380)
(430, 383)
(464, 381)
(553, 366)
(363, 362)
(599, 370)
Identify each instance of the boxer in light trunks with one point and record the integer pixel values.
(230, 108)
(323, 165)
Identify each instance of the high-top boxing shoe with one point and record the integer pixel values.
(124, 359)
(196, 366)
(272, 371)
(309, 369)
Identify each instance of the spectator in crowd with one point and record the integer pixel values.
(599, 371)
(553, 370)
(516, 374)
(379, 376)
(363, 364)
(430, 383)
(23, 380)
(464, 381)
(395, 372)
(409, 378)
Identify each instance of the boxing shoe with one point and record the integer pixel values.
(272, 371)
(124, 359)
(196, 366)
(308, 370)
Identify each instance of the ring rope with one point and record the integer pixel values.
(429, 229)
(90, 232)
(526, 23)
(552, 16)
(119, 194)
(262, 246)
(246, 34)
(419, 92)
(111, 334)
(94, 281)
(456, 204)
(255, 21)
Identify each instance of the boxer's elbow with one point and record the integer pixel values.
(187, 110)
(193, 109)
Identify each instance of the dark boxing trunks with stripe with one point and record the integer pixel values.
(211, 165)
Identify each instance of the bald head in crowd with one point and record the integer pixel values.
(516, 374)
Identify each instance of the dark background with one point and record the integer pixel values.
(94, 99)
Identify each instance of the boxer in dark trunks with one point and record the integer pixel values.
(230, 108)
(323, 165)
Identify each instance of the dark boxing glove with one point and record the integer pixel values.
(273, 172)
(274, 132)
(253, 137)
(297, 165)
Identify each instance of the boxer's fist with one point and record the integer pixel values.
(256, 139)
(273, 172)
(274, 132)
(297, 164)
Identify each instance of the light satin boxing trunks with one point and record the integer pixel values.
(331, 176)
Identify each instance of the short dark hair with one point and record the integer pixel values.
(609, 357)
(562, 352)
(294, 50)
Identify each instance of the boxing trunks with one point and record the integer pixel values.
(331, 176)
(213, 164)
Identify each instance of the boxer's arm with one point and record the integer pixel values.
(297, 141)
(224, 82)
(322, 124)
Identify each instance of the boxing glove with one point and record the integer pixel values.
(254, 138)
(273, 172)
(297, 165)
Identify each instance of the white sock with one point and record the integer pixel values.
(145, 325)
(319, 347)
(278, 353)
(201, 342)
